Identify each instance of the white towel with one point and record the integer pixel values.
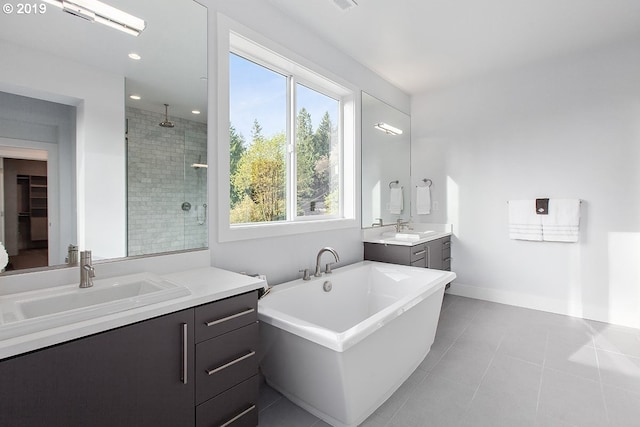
(396, 203)
(423, 200)
(524, 223)
(562, 224)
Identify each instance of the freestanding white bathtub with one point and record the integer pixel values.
(341, 354)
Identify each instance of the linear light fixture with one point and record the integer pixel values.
(388, 129)
(95, 11)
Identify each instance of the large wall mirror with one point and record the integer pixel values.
(386, 163)
(103, 133)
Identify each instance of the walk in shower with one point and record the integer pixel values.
(166, 183)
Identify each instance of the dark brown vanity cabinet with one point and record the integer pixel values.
(145, 374)
(433, 254)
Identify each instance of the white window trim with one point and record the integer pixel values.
(350, 172)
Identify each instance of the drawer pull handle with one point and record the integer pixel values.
(185, 348)
(447, 259)
(240, 415)
(446, 245)
(233, 316)
(422, 252)
(233, 362)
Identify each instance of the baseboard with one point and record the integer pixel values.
(536, 302)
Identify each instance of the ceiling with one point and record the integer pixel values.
(422, 44)
(173, 48)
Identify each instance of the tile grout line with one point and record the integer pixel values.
(544, 364)
(602, 396)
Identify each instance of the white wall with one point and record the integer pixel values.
(281, 258)
(100, 148)
(565, 128)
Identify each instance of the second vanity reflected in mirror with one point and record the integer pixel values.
(90, 153)
(386, 160)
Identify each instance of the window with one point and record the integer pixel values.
(290, 141)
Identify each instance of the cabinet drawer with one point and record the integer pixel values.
(446, 264)
(224, 361)
(422, 262)
(225, 315)
(446, 250)
(237, 407)
(418, 252)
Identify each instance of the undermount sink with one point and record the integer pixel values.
(410, 236)
(34, 311)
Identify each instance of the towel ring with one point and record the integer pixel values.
(396, 182)
(427, 181)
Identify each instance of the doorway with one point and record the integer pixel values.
(25, 209)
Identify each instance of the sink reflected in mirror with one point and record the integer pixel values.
(410, 235)
(35, 311)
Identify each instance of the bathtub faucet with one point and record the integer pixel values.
(318, 273)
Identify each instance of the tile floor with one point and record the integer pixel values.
(497, 365)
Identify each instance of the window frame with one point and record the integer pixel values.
(234, 38)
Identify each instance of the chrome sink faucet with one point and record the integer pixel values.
(87, 272)
(318, 273)
(401, 224)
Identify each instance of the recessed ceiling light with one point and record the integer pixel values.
(136, 97)
(134, 55)
(195, 111)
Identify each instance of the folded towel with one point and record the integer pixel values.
(524, 223)
(396, 203)
(562, 224)
(423, 200)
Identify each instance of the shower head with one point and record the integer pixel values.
(166, 123)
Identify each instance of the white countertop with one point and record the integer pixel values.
(205, 284)
(375, 234)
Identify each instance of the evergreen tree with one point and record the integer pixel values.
(305, 160)
(236, 151)
(256, 131)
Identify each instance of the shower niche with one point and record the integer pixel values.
(166, 182)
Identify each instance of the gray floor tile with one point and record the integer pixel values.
(495, 408)
(616, 339)
(450, 327)
(623, 407)
(436, 401)
(268, 396)
(619, 370)
(572, 399)
(578, 360)
(375, 421)
(516, 377)
(465, 363)
(572, 331)
(526, 343)
(464, 307)
(438, 350)
(483, 335)
(283, 413)
(389, 408)
(494, 364)
(547, 421)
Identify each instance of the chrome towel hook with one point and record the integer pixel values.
(396, 182)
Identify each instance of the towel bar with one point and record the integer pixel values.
(427, 181)
(396, 182)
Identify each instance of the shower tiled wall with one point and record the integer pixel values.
(160, 179)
